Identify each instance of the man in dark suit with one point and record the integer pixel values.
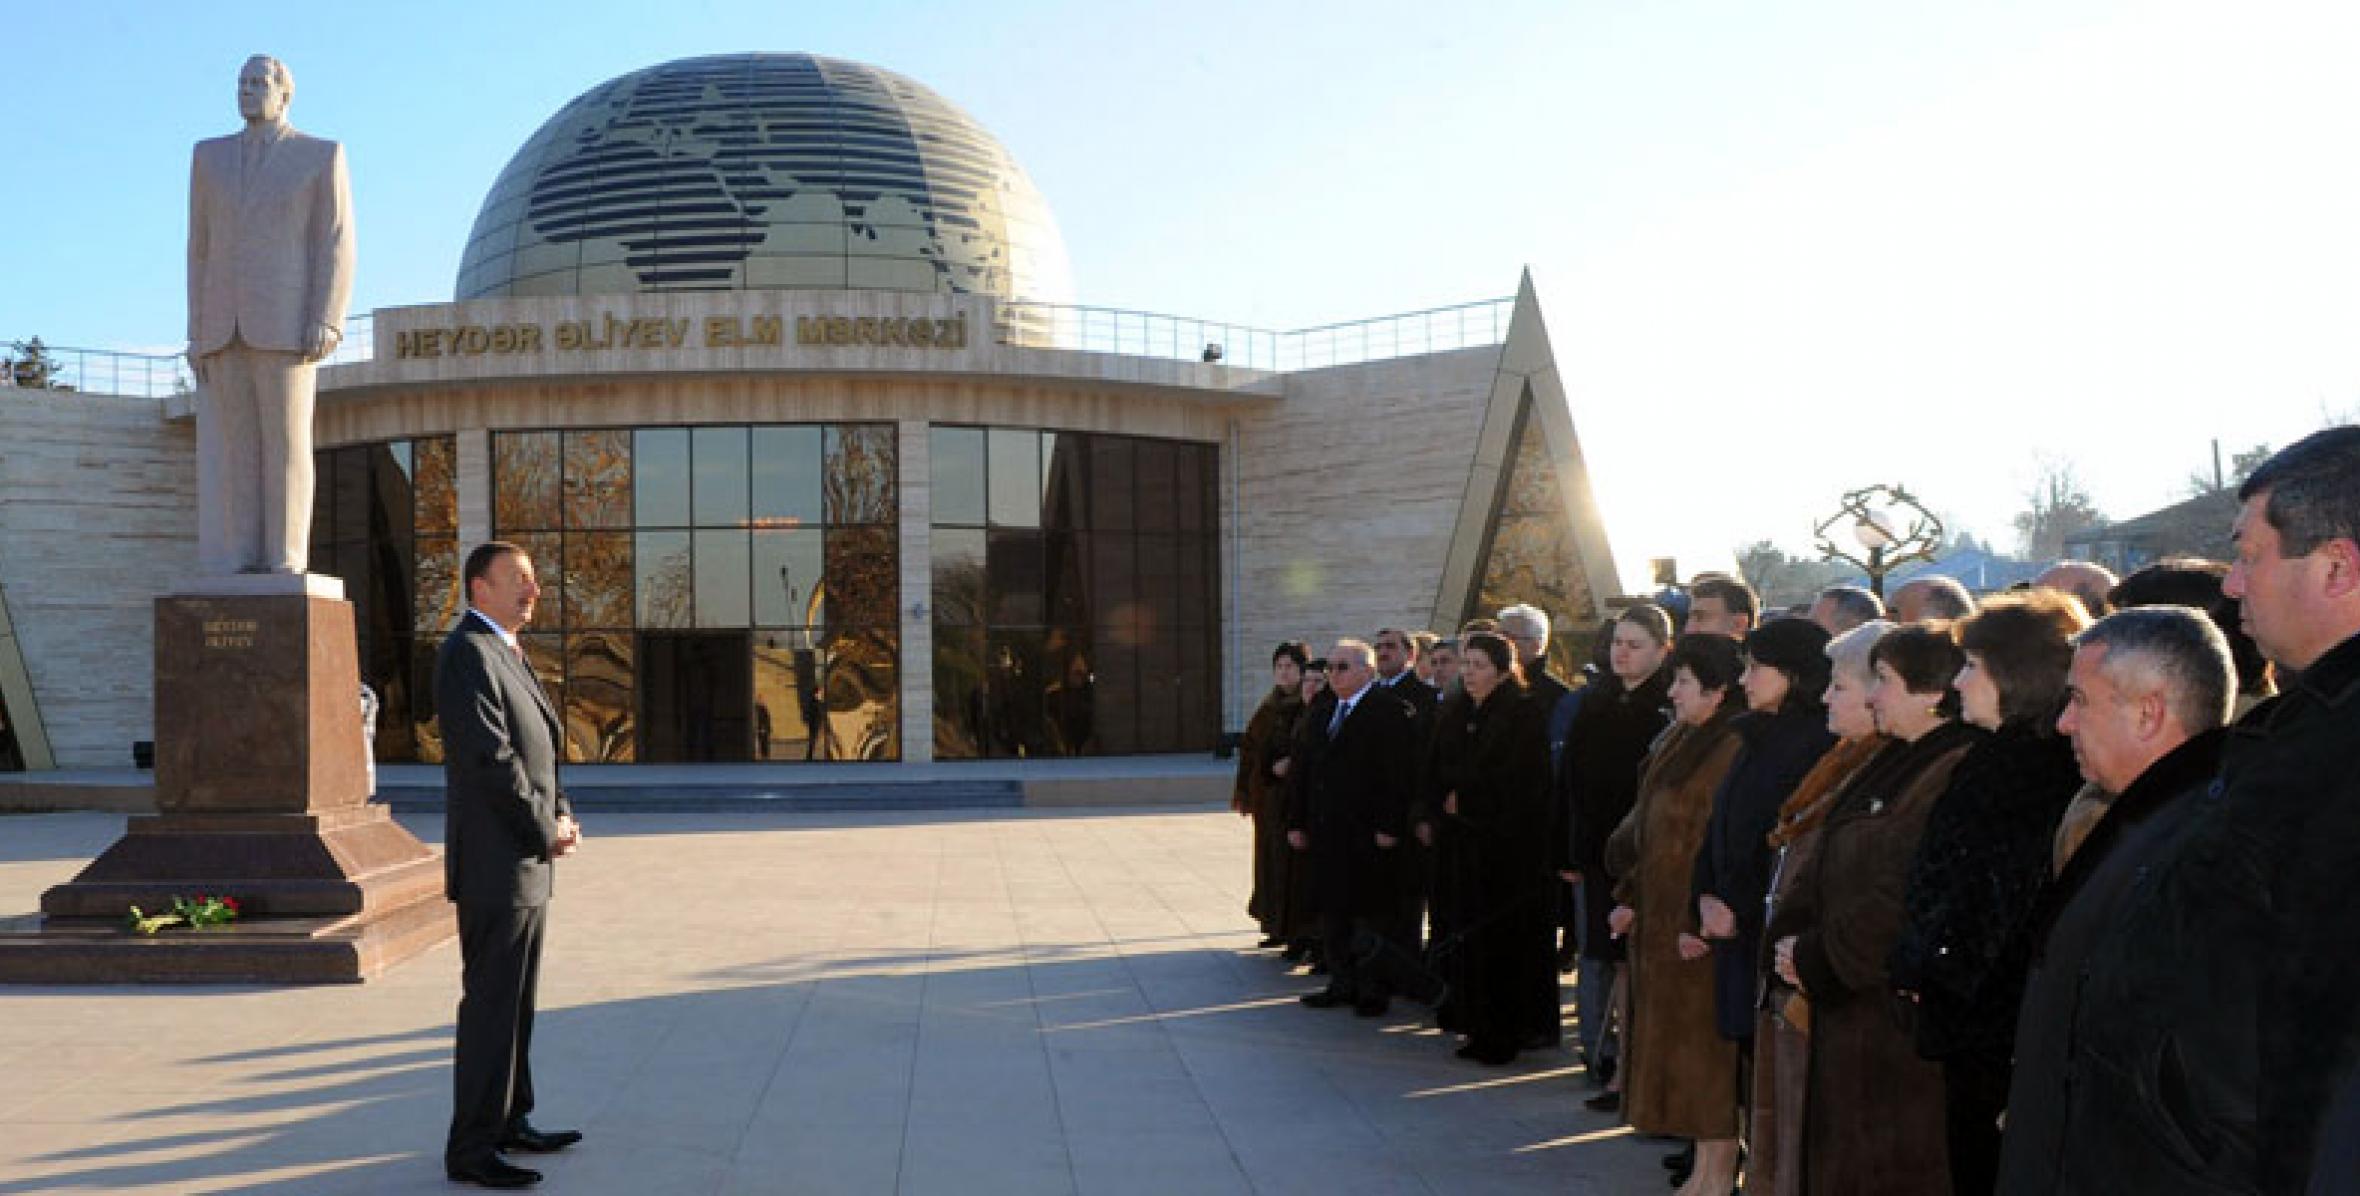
(1397, 658)
(504, 824)
(1349, 809)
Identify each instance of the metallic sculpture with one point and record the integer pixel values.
(1890, 523)
(270, 259)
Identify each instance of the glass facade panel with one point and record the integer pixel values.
(719, 483)
(723, 579)
(600, 722)
(860, 482)
(1060, 641)
(956, 460)
(525, 468)
(788, 587)
(598, 478)
(862, 695)
(381, 518)
(789, 695)
(863, 576)
(1014, 477)
(699, 571)
(659, 476)
(786, 477)
(666, 598)
(437, 476)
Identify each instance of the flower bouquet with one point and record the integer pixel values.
(204, 911)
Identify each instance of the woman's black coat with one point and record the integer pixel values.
(1978, 875)
(1494, 755)
(1599, 781)
(1733, 862)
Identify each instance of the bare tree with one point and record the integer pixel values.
(2056, 507)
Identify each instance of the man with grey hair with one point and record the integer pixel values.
(2147, 697)
(1932, 597)
(1841, 608)
(270, 260)
(1349, 809)
(1527, 628)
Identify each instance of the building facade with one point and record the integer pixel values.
(768, 361)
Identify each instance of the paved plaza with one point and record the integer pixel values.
(1012, 1001)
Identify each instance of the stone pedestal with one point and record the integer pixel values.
(261, 793)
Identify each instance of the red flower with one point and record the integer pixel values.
(231, 902)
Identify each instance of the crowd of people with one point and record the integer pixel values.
(2042, 892)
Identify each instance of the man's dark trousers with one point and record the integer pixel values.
(500, 949)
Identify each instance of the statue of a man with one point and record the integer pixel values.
(269, 269)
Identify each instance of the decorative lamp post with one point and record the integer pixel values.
(1890, 524)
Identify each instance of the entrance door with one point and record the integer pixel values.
(696, 696)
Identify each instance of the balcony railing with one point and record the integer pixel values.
(1147, 334)
(1028, 325)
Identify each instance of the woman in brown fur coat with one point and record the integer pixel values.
(1873, 1111)
(1680, 1074)
(1774, 1131)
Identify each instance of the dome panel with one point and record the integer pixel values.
(763, 171)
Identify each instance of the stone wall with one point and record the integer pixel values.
(96, 518)
(1348, 492)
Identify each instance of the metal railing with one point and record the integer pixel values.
(1027, 325)
(1147, 334)
(62, 368)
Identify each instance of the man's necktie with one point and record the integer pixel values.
(1336, 723)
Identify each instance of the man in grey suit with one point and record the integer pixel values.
(505, 823)
(269, 269)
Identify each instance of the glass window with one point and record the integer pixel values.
(860, 476)
(786, 477)
(437, 477)
(960, 592)
(1114, 577)
(524, 480)
(1115, 690)
(1159, 693)
(956, 458)
(350, 522)
(598, 580)
(1069, 704)
(1112, 473)
(665, 596)
(1190, 487)
(863, 577)
(1014, 566)
(439, 602)
(659, 477)
(788, 582)
(1158, 493)
(720, 485)
(392, 494)
(1014, 475)
(862, 695)
(598, 478)
(723, 579)
(599, 708)
(547, 550)
(1064, 587)
(788, 694)
(1064, 470)
(958, 692)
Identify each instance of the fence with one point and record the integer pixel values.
(1031, 325)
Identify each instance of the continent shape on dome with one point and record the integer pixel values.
(764, 171)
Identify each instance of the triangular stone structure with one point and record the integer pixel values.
(1528, 528)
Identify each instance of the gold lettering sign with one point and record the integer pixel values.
(229, 634)
(613, 333)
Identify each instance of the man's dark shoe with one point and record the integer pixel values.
(1371, 1006)
(1295, 952)
(1326, 998)
(1604, 1102)
(522, 1136)
(1270, 940)
(492, 1172)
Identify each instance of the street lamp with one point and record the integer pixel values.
(1892, 525)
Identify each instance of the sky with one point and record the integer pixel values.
(1783, 250)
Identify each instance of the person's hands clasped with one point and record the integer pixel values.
(1426, 834)
(1619, 922)
(1692, 948)
(1450, 804)
(322, 341)
(1715, 918)
(569, 837)
(1385, 841)
(1298, 840)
